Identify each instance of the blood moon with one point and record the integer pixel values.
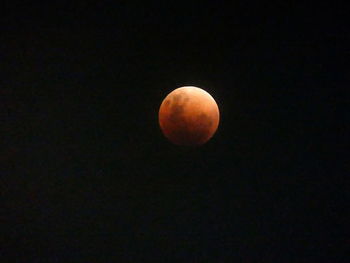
(189, 116)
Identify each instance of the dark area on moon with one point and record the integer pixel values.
(183, 130)
(86, 174)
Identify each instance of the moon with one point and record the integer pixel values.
(189, 116)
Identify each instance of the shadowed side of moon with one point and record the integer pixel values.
(182, 123)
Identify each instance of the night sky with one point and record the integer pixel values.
(86, 174)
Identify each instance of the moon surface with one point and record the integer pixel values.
(189, 116)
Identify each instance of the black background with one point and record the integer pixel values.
(88, 175)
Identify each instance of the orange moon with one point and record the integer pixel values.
(189, 116)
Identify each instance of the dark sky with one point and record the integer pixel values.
(88, 176)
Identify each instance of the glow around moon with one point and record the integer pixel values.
(189, 116)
